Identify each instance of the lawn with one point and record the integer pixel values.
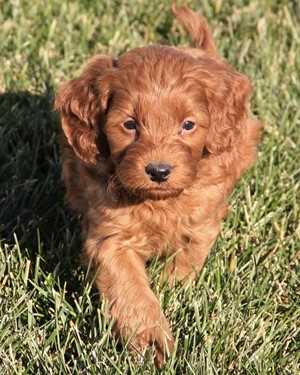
(242, 316)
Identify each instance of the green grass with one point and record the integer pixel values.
(243, 314)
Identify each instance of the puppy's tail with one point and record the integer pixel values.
(197, 27)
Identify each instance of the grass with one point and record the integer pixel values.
(242, 316)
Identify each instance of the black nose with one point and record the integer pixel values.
(158, 172)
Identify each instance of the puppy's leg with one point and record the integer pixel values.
(122, 280)
(191, 257)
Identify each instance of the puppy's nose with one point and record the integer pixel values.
(158, 172)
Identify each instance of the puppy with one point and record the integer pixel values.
(153, 143)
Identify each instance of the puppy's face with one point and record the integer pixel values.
(157, 109)
(156, 125)
(155, 142)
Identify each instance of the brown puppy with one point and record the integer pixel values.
(153, 144)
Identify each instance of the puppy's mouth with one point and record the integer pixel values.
(158, 193)
(156, 186)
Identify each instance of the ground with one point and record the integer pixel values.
(242, 315)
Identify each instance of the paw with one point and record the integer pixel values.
(173, 275)
(158, 337)
(144, 326)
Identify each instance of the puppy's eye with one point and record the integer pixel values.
(130, 125)
(188, 126)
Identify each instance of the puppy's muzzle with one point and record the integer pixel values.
(158, 172)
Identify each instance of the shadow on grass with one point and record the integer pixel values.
(31, 198)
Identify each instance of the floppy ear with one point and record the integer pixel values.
(81, 102)
(227, 94)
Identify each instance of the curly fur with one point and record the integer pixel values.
(127, 218)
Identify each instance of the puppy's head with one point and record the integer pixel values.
(153, 113)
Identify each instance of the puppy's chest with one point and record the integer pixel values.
(165, 226)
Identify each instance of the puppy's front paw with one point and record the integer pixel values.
(158, 336)
(172, 275)
(145, 326)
